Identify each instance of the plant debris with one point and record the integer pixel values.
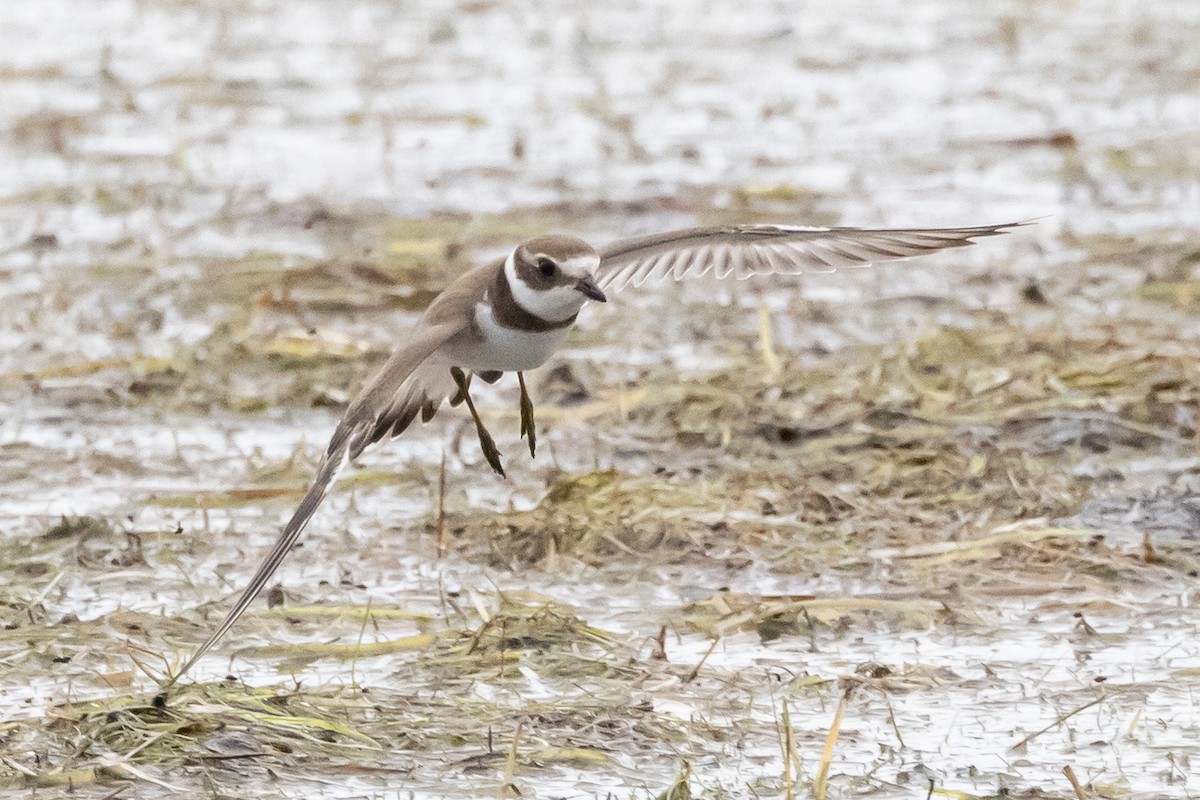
(927, 530)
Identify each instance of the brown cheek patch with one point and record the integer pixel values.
(530, 275)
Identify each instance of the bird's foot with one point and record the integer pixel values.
(489, 449)
(486, 443)
(527, 417)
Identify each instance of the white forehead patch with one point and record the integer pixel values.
(580, 266)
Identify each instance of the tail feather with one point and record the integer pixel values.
(406, 385)
(330, 467)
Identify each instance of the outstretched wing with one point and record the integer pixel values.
(414, 381)
(742, 251)
(421, 394)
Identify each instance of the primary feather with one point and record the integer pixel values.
(742, 251)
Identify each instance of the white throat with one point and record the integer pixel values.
(551, 305)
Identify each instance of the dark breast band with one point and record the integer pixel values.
(509, 313)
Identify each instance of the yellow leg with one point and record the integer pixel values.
(485, 439)
(527, 417)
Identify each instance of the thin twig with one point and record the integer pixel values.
(1058, 722)
(441, 518)
(821, 782)
(892, 719)
(510, 764)
(691, 676)
(358, 645)
(789, 749)
(1079, 792)
(767, 342)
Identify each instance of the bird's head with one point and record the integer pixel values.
(553, 276)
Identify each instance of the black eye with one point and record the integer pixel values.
(547, 267)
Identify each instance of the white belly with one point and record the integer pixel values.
(502, 349)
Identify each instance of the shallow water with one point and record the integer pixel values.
(188, 185)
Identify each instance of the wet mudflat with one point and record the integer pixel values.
(927, 526)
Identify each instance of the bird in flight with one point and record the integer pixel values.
(511, 316)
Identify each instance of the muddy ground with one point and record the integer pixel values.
(930, 527)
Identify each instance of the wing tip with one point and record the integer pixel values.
(1005, 228)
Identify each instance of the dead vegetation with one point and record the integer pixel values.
(928, 531)
(946, 473)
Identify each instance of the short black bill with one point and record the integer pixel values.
(588, 286)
